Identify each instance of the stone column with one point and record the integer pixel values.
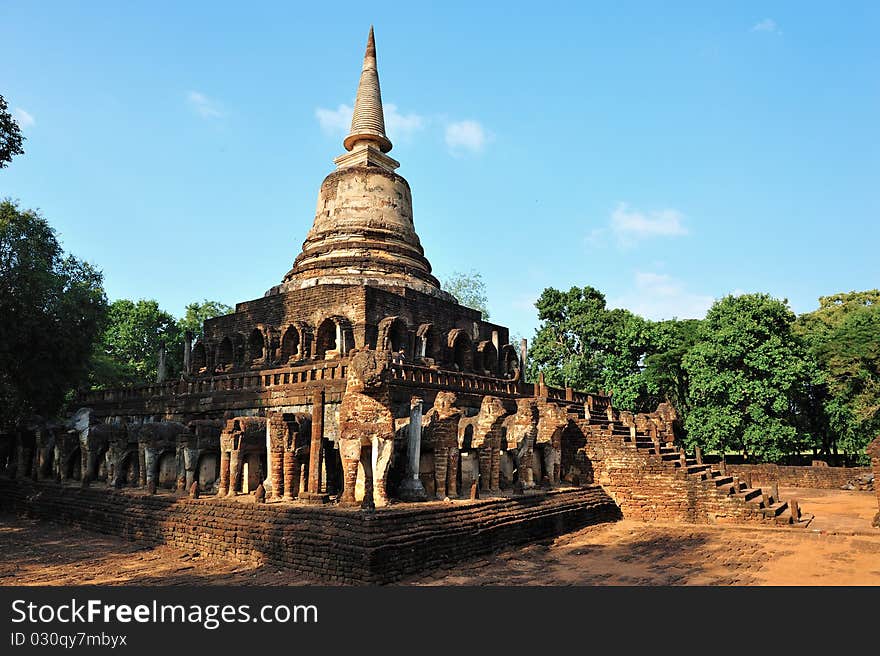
(223, 488)
(303, 476)
(523, 358)
(290, 474)
(234, 472)
(180, 460)
(313, 495)
(151, 465)
(142, 466)
(161, 372)
(190, 462)
(276, 474)
(452, 473)
(187, 354)
(274, 461)
(411, 489)
(441, 465)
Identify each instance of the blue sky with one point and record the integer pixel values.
(665, 153)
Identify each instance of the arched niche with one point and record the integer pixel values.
(256, 344)
(462, 350)
(488, 358)
(225, 353)
(199, 357)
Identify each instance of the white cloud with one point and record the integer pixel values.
(23, 118)
(204, 106)
(335, 121)
(403, 125)
(630, 225)
(766, 25)
(659, 296)
(465, 136)
(338, 121)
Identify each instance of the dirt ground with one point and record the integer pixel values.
(839, 547)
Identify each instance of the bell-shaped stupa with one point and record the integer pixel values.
(363, 232)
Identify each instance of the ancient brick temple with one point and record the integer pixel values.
(358, 380)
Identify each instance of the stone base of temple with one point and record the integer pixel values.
(342, 545)
(313, 498)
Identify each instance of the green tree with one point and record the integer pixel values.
(129, 346)
(842, 335)
(850, 360)
(10, 135)
(815, 327)
(469, 290)
(580, 343)
(665, 377)
(745, 376)
(197, 313)
(52, 307)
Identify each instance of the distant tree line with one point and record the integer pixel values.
(751, 377)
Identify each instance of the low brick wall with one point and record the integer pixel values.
(645, 487)
(333, 544)
(826, 478)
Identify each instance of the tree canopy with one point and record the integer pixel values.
(750, 377)
(52, 307)
(745, 374)
(469, 290)
(127, 351)
(10, 135)
(197, 313)
(581, 343)
(843, 337)
(666, 379)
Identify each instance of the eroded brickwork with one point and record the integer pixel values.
(336, 545)
(817, 477)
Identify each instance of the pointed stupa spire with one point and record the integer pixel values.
(368, 120)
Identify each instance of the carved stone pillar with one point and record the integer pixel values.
(313, 495)
(234, 472)
(291, 475)
(411, 489)
(151, 465)
(223, 488)
(190, 462)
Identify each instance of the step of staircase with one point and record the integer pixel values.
(772, 510)
(751, 493)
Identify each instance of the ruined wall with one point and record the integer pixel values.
(336, 545)
(311, 304)
(827, 478)
(416, 309)
(362, 308)
(645, 486)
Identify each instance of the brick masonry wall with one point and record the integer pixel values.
(332, 544)
(793, 476)
(644, 486)
(363, 306)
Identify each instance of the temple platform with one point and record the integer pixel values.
(332, 543)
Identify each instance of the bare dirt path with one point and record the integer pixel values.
(839, 548)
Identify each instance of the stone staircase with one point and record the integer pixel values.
(733, 498)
